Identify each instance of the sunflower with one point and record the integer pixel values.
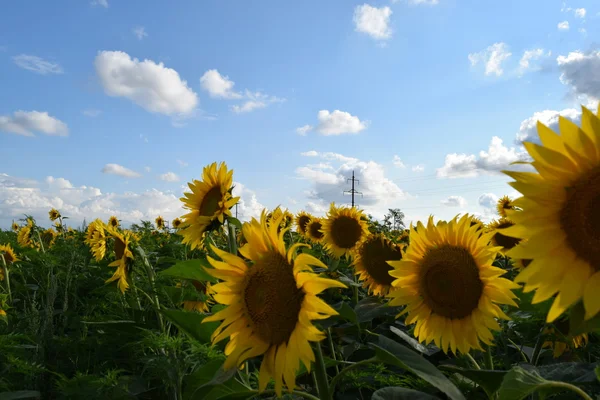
(370, 263)
(48, 237)
(559, 215)
(122, 254)
(113, 221)
(314, 229)
(160, 222)
(95, 225)
(302, 220)
(504, 203)
(10, 257)
(209, 203)
(176, 223)
(54, 214)
(449, 286)
(15, 227)
(477, 222)
(284, 217)
(503, 240)
(98, 243)
(343, 229)
(270, 304)
(558, 341)
(25, 236)
(202, 306)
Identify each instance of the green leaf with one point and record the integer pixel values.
(329, 362)
(577, 323)
(191, 324)
(235, 221)
(349, 282)
(400, 393)
(390, 352)
(520, 383)
(348, 313)
(20, 394)
(597, 370)
(490, 381)
(190, 269)
(211, 382)
(370, 308)
(413, 342)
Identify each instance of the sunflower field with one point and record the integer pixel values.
(304, 307)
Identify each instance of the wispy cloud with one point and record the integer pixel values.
(116, 169)
(37, 64)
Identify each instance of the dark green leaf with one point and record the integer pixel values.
(519, 383)
(569, 372)
(490, 381)
(390, 352)
(370, 308)
(211, 382)
(238, 395)
(349, 282)
(400, 393)
(234, 221)
(20, 394)
(329, 362)
(597, 370)
(577, 323)
(348, 313)
(190, 269)
(413, 342)
(191, 324)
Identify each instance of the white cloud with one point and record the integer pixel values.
(528, 129)
(528, 56)
(248, 206)
(147, 169)
(91, 112)
(581, 71)
(310, 153)
(116, 169)
(563, 26)
(488, 200)
(580, 12)
(169, 177)
(330, 179)
(103, 3)
(373, 21)
(418, 168)
(27, 122)
(338, 123)
(182, 163)
(496, 158)
(583, 31)
(37, 64)
(454, 201)
(303, 130)
(139, 32)
(492, 57)
(151, 86)
(398, 162)
(218, 86)
(256, 100)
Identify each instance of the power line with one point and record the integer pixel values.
(352, 191)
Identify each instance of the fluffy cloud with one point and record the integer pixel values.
(492, 57)
(310, 153)
(418, 168)
(581, 71)
(248, 206)
(27, 122)
(580, 12)
(218, 86)
(303, 130)
(398, 162)
(169, 177)
(525, 64)
(151, 86)
(563, 26)
(330, 179)
(256, 100)
(455, 201)
(496, 158)
(37, 64)
(488, 200)
(373, 21)
(528, 129)
(116, 169)
(337, 123)
(139, 32)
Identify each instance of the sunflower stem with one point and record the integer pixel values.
(568, 386)
(6, 278)
(538, 347)
(332, 349)
(344, 371)
(231, 238)
(321, 373)
(487, 357)
(520, 348)
(470, 357)
(40, 240)
(154, 300)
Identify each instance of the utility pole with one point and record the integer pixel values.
(352, 191)
(235, 210)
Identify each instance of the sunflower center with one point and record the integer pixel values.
(580, 217)
(302, 222)
(119, 248)
(210, 202)
(272, 299)
(315, 230)
(374, 255)
(506, 242)
(345, 231)
(449, 281)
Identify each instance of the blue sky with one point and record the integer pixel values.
(121, 103)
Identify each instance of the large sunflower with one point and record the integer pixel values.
(94, 226)
(54, 214)
(209, 202)
(560, 212)
(449, 286)
(504, 204)
(314, 229)
(500, 239)
(10, 257)
(160, 222)
(176, 223)
(302, 220)
(122, 255)
(48, 237)
(343, 229)
(25, 236)
(113, 221)
(370, 263)
(270, 304)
